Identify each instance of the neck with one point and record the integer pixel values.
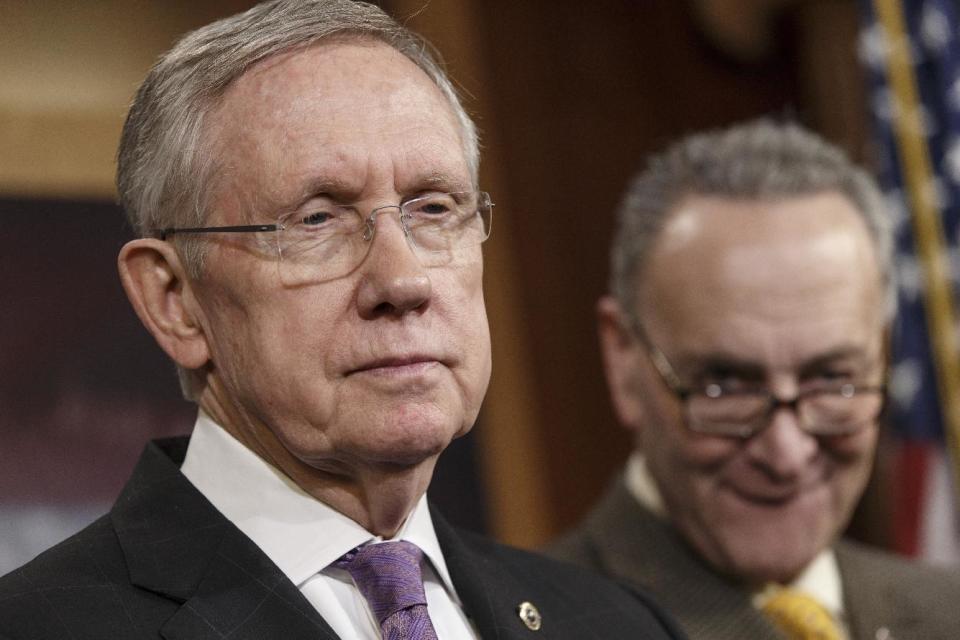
(378, 496)
(378, 499)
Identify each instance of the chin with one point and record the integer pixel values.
(768, 556)
(411, 451)
(411, 439)
(775, 567)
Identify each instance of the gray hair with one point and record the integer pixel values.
(760, 159)
(165, 166)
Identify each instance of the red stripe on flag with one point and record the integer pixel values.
(909, 487)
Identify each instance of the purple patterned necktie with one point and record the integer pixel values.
(388, 576)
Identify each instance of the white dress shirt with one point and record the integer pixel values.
(820, 579)
(303, 536)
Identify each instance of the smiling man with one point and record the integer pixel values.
(744, 345)
(303, 180)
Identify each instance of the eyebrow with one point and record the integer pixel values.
(329, 186)
(698, 364)
(346, 192)
(857, 355)
(694, 364)
(442, 180)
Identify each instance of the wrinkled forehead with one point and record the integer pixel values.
(737, 273)
(750, 244)
(345, 75)
(342, 106)
(332, 66)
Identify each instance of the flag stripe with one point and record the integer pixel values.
(929, 235)
(909, 487)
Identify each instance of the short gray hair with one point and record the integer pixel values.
(165, 166)
(761, 159)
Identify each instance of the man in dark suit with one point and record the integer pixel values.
(303, 180)
(744, 346)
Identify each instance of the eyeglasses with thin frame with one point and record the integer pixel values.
(827, 409)
(331, 239)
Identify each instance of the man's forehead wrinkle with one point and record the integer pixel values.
(254, 201)
(442, 180)
(852, 353)
(285, 101)
(690, 361)
(722, 356)
(330, 185)
(819, 251)
(330, 66)
(436, 166)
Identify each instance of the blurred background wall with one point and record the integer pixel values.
(570, 97)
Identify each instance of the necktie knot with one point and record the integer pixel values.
(387, 575)
(801, 617)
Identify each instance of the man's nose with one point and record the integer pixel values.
(783, 448)
(393, 279)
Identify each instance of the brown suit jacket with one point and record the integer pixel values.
(623, 539)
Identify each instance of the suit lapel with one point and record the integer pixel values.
(491, 596)
(873, 603)
(243, 595)
(634, 545)
(178, 545)
(483, 599)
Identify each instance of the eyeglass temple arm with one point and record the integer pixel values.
(660, 362)
(245, 228)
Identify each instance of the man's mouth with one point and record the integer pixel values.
(397, 365)
(772, 494)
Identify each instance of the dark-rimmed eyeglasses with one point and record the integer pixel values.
(826, 409)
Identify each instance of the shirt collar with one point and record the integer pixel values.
(642, 486)
(820, 579)
(300, 534)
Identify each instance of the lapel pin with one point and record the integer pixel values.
(529, 615)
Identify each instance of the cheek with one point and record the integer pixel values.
(661, 414)
(667, 436)
(705, 453)
(686, 464)
(853, 447)
(281, 342)
(852, 458)
(465, 317)
(458, 297)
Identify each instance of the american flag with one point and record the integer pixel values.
(911, 52)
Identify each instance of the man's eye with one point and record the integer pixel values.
(729, 381)
(316, 218)
(435, 206)
(434, 209)
(832, 377)
(730, 385)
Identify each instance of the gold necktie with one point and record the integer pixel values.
(801, 617)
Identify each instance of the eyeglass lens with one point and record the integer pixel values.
(334, 240)
(826, 412)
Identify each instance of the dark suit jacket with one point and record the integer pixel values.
(622, 539)
(165, 564)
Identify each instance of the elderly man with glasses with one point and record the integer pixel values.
(303, 180)
(744, 342)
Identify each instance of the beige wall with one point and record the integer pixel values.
(67, 71)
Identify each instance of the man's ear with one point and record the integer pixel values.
(156, 284)
(622, 357)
